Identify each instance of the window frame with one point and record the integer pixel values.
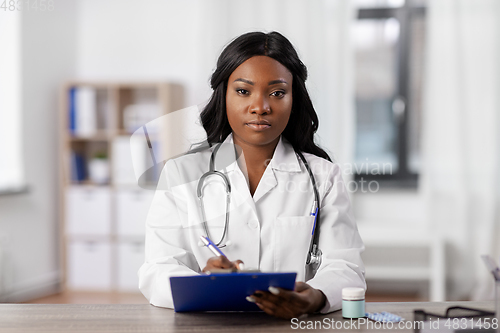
(402, 178)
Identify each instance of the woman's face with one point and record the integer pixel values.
(259, 101)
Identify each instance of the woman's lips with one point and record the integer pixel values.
(258, 127)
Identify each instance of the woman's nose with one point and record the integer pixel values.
(260, 105)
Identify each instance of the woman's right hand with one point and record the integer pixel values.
(222, 262)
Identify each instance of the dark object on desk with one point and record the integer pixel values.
(445, 322)
(453, 312)
(224, 292)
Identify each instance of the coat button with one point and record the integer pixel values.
(253, 224)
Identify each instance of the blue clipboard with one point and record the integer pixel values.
(224, 292)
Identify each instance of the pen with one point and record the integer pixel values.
(314, 212)
(215, 250)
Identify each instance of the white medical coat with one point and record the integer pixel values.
(270, 231)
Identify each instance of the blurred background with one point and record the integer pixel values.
(406, 92)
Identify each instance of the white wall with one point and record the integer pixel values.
(151, 40)
(29, 221)
(391, 209)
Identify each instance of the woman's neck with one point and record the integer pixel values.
(256, 158)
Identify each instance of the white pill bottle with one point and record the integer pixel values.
(353, 302)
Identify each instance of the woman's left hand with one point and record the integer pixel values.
(289, 304)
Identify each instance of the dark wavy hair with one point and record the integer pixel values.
(303, 122)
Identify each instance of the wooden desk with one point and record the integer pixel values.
(55, 318)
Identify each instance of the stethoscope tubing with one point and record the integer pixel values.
(199, 193)
(314, 252)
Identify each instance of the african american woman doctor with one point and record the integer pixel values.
(262, 122)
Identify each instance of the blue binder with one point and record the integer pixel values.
(224, 292)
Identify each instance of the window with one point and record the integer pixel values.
(389, 37)
(11, 170)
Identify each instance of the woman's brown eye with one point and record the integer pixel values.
(242, 91)
(278, 93)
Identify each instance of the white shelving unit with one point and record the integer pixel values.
(405, 255)
(102, 225)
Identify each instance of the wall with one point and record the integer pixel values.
(153, 40)
(391, 208)
(29, 221)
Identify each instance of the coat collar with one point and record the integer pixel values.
(284, 157)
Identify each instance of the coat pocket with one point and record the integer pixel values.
(292, 240)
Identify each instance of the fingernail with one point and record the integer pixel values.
(274, 291)
(250, 299)
(241, 266)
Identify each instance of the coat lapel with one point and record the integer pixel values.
(266, 183)
(284, 159)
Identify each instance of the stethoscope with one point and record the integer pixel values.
(314, 254)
